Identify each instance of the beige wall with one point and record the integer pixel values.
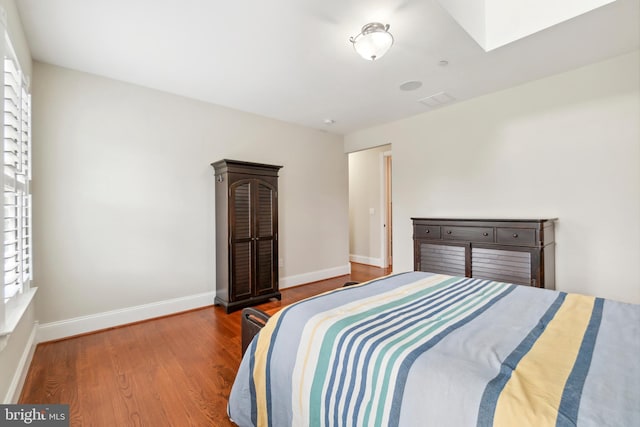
(124, 192)
(567, 146)
(365, 194)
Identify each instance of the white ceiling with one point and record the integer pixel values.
(291, 59)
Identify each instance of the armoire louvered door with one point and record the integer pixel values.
(265, 242)
(246, 233)
(252, 238)
(241, 242)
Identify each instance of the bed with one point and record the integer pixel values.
(419, 349)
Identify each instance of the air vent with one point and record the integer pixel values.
(437, 100)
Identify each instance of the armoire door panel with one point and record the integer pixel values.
(265, 280)
(265, 209)
(241, 208)
(241, 273)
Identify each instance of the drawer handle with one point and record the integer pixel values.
(485, 234)
(426, 231)
(515, 235)
(448, 231)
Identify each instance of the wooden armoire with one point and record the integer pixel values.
(246, 233)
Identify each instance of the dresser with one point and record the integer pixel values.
(246, 233)
(520, 251)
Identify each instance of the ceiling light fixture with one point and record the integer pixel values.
(373, 41)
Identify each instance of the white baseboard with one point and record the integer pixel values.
(366, 260)
(20, 375)
(314, 276)
(95, 322)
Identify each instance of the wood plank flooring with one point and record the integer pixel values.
(172, 371)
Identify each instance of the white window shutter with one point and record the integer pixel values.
(16, 248)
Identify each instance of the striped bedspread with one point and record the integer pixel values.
(419, 349)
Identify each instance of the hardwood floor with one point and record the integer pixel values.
(172, 371)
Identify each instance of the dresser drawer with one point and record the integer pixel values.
(469, 234)
(421, 231)
(516, 236)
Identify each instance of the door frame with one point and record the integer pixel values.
(386, 198)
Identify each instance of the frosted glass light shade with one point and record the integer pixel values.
(373, 42)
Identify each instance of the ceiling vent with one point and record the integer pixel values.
(437, 100)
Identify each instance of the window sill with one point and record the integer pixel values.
(14, 310)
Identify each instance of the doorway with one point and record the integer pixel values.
(370, 207)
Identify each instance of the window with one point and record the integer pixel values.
(16, 178)
(16, 294)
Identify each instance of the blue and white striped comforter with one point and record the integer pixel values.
(418, 349)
